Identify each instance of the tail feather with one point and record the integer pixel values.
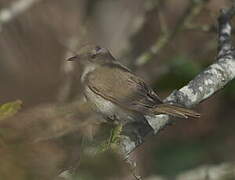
(175, 111)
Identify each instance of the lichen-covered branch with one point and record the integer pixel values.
(205, 84)
(16, 8)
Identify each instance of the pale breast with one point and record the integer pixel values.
(100, 104)
(109, 109)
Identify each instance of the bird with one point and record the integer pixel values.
(116, 92)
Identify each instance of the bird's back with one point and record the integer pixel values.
(117, 84)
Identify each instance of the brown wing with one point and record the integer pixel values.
(119, 85)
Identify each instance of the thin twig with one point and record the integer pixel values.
(192, 10)
(68, 70)
(16, 8)
(132, 165)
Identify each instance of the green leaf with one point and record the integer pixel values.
(229, 91)
(175, 157)
(181, 71)
(113, 140)
(9, 109)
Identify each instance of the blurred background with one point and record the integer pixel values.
(47, 134)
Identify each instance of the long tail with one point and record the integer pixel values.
(175, 111)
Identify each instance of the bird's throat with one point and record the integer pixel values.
(87, 69)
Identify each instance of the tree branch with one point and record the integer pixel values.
(193, 9)
(205, 84)
(16, 8)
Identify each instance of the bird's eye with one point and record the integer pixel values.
(98, 48)
(93, 56)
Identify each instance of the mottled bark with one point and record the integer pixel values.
(205, 84)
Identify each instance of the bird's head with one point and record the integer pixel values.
(92, 55)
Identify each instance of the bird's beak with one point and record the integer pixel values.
(74, 58)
